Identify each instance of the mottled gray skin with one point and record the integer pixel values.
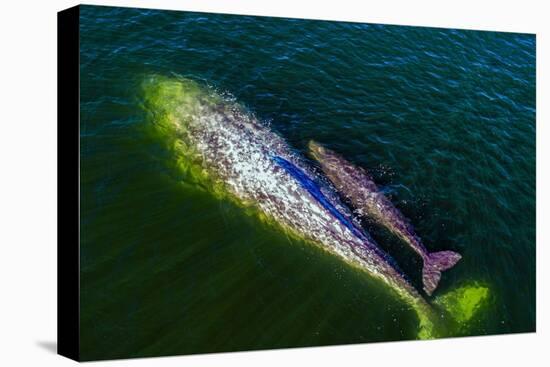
(356, 185)
(236, 149)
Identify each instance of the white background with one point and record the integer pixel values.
(28, 183)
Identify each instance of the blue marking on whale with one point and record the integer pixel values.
(311, 186)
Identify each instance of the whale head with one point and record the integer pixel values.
(316, 150)
(172, 98)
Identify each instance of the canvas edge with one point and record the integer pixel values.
(68, 184)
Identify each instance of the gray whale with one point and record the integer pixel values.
(227, 150)
(357, 186)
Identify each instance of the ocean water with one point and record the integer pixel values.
(444, 120)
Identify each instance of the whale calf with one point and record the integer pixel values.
(356, 185)
(241, 156)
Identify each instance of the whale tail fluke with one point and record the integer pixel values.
(434, 264)
(452, 313)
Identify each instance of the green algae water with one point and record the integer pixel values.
(443, 119)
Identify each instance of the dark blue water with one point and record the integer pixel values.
(443, 119)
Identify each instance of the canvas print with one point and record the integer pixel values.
(257, 183)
